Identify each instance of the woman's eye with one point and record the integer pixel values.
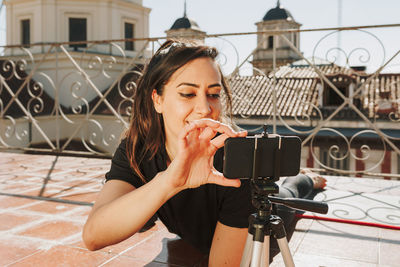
(214, 95)
(190, 95)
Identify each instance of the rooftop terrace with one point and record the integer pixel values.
(44, 201)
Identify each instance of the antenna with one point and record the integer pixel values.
(184, 10)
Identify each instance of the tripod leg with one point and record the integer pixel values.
(257, 253)
(265, 252)
(248, 248)
(284, 248)
(280, 234)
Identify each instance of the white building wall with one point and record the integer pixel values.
(49, 19)
(374, 162)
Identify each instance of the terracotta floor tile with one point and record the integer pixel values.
(10, 177)
(12, 202)
(76, 174)
(83, 184)
(9, 220)
(95, 166)
(54, 230)
(124, 245)
(64, 256)
(35, 179)
(89, 197)
(46, 191)
(44, 172)
(19, 188)
(80, 213)
(13, 249)
(13, 168)
(50, 207)
(6, 159)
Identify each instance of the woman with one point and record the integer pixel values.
(170, 162)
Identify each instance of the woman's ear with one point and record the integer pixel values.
(157, 101)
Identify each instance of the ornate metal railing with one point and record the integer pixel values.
(57, 99)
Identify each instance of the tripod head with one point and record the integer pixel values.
(261, 199)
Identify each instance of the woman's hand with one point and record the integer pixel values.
(193, 164)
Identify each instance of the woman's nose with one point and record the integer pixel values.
(203, 107)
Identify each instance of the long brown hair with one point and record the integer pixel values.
(146, 136)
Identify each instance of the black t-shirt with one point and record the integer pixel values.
(192, 214)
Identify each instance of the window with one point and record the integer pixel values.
(270, 41)
(332, 98)
(328, 160)
(129, 34)
(77, 31)
(25, 32)
(344, 84)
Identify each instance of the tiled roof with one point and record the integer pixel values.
(300, 71)
(252, 95)
(297, 90)
(385, 83)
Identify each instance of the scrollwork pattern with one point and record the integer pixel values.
(364, 54)
(99, 87)
(391, 216)
(101, 65)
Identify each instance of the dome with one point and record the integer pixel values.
(185, 23)
(278, 13)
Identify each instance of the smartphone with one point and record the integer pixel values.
(239, 154)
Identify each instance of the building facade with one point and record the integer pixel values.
(82, 54)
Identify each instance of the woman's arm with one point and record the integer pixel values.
(121, 210)
(227, 246)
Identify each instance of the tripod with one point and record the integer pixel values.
(263, 224)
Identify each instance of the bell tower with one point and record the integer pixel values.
(277, 18)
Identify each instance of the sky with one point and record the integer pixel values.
(372, 47)
(229, 16)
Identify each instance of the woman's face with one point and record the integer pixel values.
(192, 93)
